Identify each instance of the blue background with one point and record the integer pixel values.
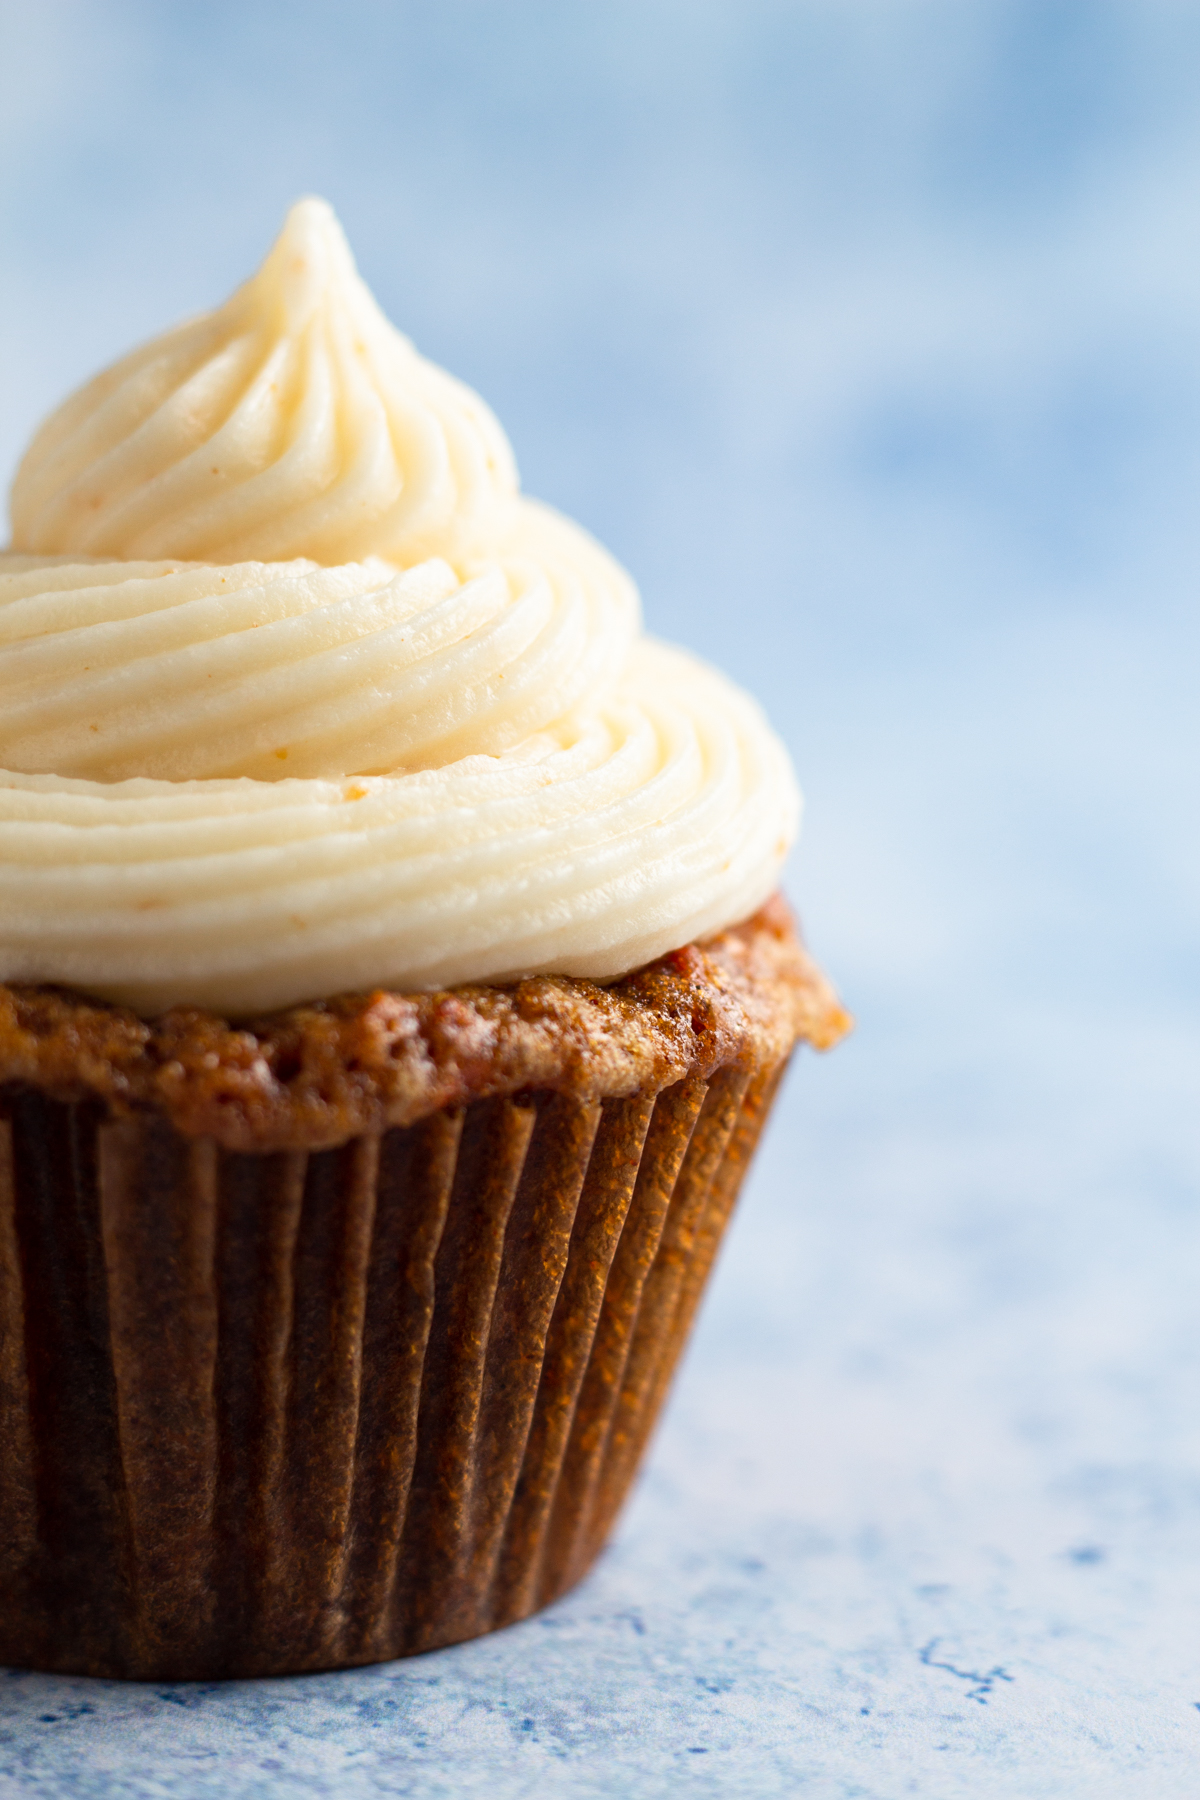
(865, 332)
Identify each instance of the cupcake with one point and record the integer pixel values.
(394, 988)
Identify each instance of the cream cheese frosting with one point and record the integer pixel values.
(299, 695)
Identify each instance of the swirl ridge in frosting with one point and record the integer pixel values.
(298, 695)
(292, 421)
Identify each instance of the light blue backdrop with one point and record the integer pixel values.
(865, 331)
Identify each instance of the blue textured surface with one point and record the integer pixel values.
(924, 1520)
(867, 334)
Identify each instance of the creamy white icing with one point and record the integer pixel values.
(185, 670)
(297, 696)
(293, 421)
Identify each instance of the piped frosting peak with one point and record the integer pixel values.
(299, 696)
(294, 421)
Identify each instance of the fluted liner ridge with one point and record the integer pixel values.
(290, 1411)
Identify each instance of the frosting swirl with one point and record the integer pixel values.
(297, 695)
(185, 670)
(293, 421)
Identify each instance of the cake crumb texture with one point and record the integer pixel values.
(314, 1076)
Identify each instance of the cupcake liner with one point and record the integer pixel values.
(266, 1412)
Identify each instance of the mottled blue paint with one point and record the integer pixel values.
(869, 335)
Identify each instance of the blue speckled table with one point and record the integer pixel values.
(867, 336)
(925, 1519)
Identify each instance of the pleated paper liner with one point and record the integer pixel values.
(272, 1412)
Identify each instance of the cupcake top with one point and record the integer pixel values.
(300, 696)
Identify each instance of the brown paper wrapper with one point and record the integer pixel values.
(263, 1412)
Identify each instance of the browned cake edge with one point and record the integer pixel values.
(314, 1076)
